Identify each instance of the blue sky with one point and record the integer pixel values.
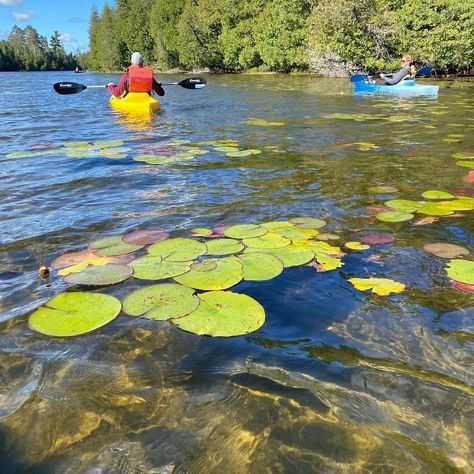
(69, 17)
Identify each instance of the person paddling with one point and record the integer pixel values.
(407, 71)
(137, 78)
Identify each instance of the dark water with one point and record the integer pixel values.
(337, 380)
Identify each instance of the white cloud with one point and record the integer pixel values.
(67, 38)
(23, 16)
(10, 3)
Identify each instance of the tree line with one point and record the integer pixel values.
(26, 50)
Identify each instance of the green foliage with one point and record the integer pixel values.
(26, 50)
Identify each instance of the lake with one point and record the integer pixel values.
(338, 378)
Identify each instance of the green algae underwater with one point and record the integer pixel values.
(270, 275)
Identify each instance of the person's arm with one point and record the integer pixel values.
(396, 78)
(157, 88)
(119, 89)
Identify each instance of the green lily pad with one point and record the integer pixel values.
(383, 189)
(461, 270)
(161, 302)
(267, 241)
(317, 247)
(100, 275)
(77, 145)
(240, 153)
(463, 156)
(223, 314)
(223, 246)
(394, 216)
(260, 266)
(465, 164)
(74, 313)
(178, 250)
(403, 205)
(183, 156)
(108, 143)
(226, 149)
(155, 268)
(328, 262)
(214, 274)
(308, 222)
(263, 123)
(112, 245)
(357, 246)
(437, 194)
(434, 209)
(291, 256)
(328, 236)
(444, 250)
(379, 286)
(196, 151)
(458, 204)
(201, 231)
(290, 231)
(244, 231)
(154, 159)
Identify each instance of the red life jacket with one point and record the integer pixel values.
(140, 79)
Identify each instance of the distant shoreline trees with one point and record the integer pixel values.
(26, 50)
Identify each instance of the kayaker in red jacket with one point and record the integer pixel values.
(137, 78)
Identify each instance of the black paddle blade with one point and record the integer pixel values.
(64, 88)
(193, 83)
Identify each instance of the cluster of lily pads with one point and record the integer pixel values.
(465, 159)
(201, 269)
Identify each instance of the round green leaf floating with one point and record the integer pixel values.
(308, 222)
(154, 159)
(213, 274)
(100, 275)
(267, 241)
(461, 270)
(465, 164)
(244, 231)
(444, 250)
(242, 153)
(155, 268)
(458, 204)
(223, 246)
(161, 302)
(290, 256)
(290, 231)
(75, 313)
(357, 245)
(260, 266)
(179, 249)
(394, 216)
(437, 194)
(145, 237)
(201, 231)
(113, 245)
(383, 189)
(223, 314)
(434, 209)
(403, 205)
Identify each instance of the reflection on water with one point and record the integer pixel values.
(336, 380)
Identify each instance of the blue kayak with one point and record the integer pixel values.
(406, 87)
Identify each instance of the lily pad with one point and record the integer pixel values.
(155, 268)
(154, 159)
(108, 143)
(444, 250)
(223, 314)
(201, 231)
(225, 273)
(244, 231)
(328, 236)
(291, 256)
(383, 189)
(178, 250)
(357, 245)
(241, 153)
(465, 164)
(87, 257)
(161, 302)
(403, 205)
(145, 237)
(456, 205)
(263, 123)
(100, 275)
(267, 241)
(260, 266)
(379, 286)
(113, 245)
(290, 231)
(434, 209)
(461, 271)
(74, 313)
(223, 246)
(317, 247)
(375, 239)
(437, 194)
(328, 262)
(308, 222)
(225, 149)
(394, 216)
(462, 286)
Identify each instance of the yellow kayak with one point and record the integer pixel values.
(139, 102)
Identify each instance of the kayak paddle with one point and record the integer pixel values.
(424, 71)
(64, 88)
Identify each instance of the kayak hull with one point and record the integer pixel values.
(137, 102)
(407, 87)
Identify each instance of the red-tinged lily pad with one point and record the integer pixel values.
(394, 216)
(462, 286)
(469, 178)
(376, 239)
(161, 302)
(88, 256)
(377, 209)
(113, 245)
(223, 314)
(74, 313)
(145, 237)
(445, 250)
(100, 275)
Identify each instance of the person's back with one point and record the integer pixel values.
(407, 71)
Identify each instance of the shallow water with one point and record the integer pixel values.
(337, 380)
